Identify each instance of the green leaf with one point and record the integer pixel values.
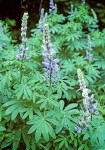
(61, 104)
(99, 135)
(66, 144)
(32, 129)
(33, 145)
(45, 131)
(61, 144)
(29, 112)
(86, 136)
(81, 147)
(38, 134)
(48, 146)
(75, 143)
(51, 131)
(6, 143)
(15, 113)
(43, 104)
(10, 103)
(59, 92)
(29, 91)
(70, 106)
(1, 112)
(11, 109)
(20, 93)
(2, 128)
(16, 140)
(26, 139)
(100, 64)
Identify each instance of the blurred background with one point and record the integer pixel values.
(11, 11)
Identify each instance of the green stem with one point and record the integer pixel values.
(21, 64)
(20, 73)
(50, 73)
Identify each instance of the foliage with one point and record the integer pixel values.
(38, 115)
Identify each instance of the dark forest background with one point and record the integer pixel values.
(13, 10)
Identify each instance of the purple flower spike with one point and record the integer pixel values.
(51, 7)
(50, 65)
(41, 21)
(89, 105)
(23, 48)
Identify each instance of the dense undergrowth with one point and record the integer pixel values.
(52, 85)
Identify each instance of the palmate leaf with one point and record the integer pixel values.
(68, 107)
(6, 142)
(41, 126)
(63, 87)
(14, 108)
(16, 140)
(26, 138)
(38, 134)
(74, 36)
(2, 128)
(66, 115)
(67, 66)
(15, 113)
(29, 112)
(62, 141)
(23, 90)
(50, 100)
(55, 29)
(12, 102)
(100, 64)
(98, 134)
(11, 109)
(76, 45)
(92, 71)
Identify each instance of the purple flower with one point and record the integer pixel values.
(19, 56)
(78, 129)
(4, 44)
(23, 48)
(41, 21)
(89, 105)
(50, 64)
(51, 7)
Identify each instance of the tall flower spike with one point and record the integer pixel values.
(94, 25)
(72, 9)
(41, 21)
(89, 55)
(50, 65)
(83, 2)
(51, 7)
(1, 29)
(23, 48)
(89, 105)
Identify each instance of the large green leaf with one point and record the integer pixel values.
(42, 127)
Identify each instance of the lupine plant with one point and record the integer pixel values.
(51, 7)
(50, 65)
(88, 104)
(41, 20)
(46, 102)
(23, 48)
